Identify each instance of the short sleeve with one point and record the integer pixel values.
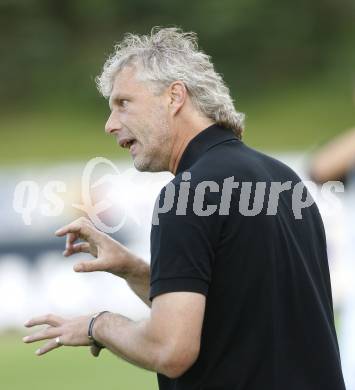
(182, 250)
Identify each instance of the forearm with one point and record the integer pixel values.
(138, 279)
(334, 160)
(130, 340)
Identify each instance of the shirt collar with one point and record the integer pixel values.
(203, 141)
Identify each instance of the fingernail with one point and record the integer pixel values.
(26, 338)
(27, 323)
(38, 352)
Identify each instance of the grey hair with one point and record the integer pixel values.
(167, 55)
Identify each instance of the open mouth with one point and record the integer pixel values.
(127, 142)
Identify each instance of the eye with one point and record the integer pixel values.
(123, 103)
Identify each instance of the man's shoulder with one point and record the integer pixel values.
(238, 160)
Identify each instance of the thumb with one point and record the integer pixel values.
(95, 351)
(88, 266)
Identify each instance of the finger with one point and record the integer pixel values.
(89, 266)
(95, 351)
(73, 227)
(46, 334)
(52, 344)
(70, 239)
(82, 227)
(82, 247)
(49, 319)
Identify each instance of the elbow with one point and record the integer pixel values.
(317, 175)
(175, 369)
(178, 360)
(316, 171)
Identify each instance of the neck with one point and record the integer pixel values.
(183, 135)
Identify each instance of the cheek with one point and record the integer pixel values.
(124, 117)
(150, 127)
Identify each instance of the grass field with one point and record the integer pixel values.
(66, 368)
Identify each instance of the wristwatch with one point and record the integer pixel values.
(91, 326)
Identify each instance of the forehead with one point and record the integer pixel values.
(127, 82)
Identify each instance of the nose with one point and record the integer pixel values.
(113, 124)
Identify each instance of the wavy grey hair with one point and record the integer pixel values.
(167, 55)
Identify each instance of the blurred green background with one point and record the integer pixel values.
(67, 368)
(289, 64)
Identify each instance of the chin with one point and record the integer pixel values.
(147, 165)
(141, 164)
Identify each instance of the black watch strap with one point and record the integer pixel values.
(91, 327)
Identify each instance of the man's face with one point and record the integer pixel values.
(139, 121)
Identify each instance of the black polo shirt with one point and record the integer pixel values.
(268, 321)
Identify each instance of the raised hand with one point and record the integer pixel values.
(111, 256)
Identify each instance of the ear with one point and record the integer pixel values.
(177, 95)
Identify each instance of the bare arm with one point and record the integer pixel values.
(139, 280)
(168, 342)
(111, 256)
(335, 159)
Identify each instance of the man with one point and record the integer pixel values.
(240, 299)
